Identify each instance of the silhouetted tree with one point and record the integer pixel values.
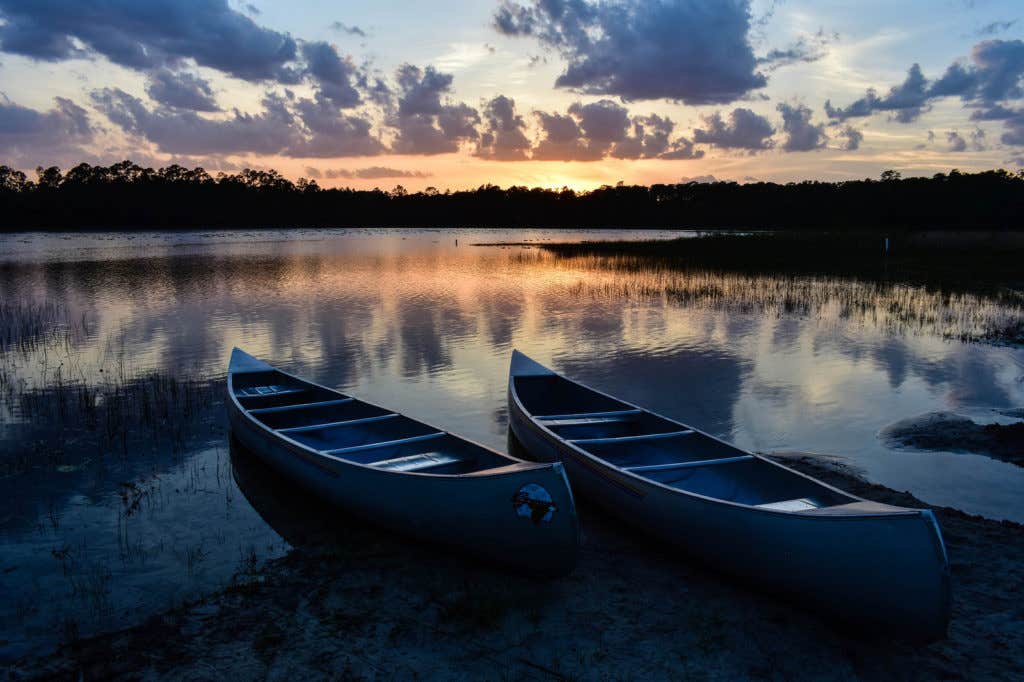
(126, 195)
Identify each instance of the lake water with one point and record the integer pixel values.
(118, 493)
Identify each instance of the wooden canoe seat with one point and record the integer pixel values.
(586, 421)
(419, 462)
(267, 391)
(798, 505)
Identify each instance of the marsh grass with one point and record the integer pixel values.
(894, 307)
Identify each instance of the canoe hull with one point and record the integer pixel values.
(481, 512)
(887, 573)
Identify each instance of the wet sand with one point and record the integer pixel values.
(352, 603)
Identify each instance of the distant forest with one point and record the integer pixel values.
(126, 195)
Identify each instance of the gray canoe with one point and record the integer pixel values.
(404, 474)
(857, 561)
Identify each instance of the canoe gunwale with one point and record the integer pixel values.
(329, 462)
(550, 435)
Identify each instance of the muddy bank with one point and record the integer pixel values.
(952, 432)
(353, 603)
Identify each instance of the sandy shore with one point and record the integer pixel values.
(352, 603)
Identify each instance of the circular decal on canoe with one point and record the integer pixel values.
(534, 502)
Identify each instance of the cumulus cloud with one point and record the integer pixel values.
(853, 138)
(682, 148)
(30, 136)
(992, 75)
(561, 139)
(333, 74)
(691, 51)
(744, 130)
(328, 132)
(698, 180)
(956, 143)
(589, 132)
(185, 132)
(425, 124)
(373, 173)
(350, 30)
(806, 49)
(906, 101)
(147, 35)
(995, 27)
(181, 90)
(800, 134)
(504, 135)
(648, 137)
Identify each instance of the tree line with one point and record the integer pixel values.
(126, 195)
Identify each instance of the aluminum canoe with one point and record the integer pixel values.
(403, 474)
(859, 562)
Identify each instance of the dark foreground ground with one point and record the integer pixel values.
(349, 603)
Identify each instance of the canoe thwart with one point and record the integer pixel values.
(345, 422)
(300, 406)
(384, 444)
(686, 465)
(629, 439)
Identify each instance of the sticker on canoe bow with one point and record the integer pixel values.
(534, 502)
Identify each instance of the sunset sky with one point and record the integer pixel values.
(558, 92)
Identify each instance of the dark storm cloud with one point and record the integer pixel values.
(425, 124)
(30, 135)
(691, 51)
(181, 90)
(853, 138)
(146, 35)
(992, 75)
(333, 74)
(744, 130)
(504, 135)
(800, 134)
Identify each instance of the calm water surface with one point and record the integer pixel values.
(118, 495)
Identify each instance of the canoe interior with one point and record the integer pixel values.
(337, 425)
(664, 451)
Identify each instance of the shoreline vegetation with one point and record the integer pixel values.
(965, 286)
(128, 196)
(350, 600)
